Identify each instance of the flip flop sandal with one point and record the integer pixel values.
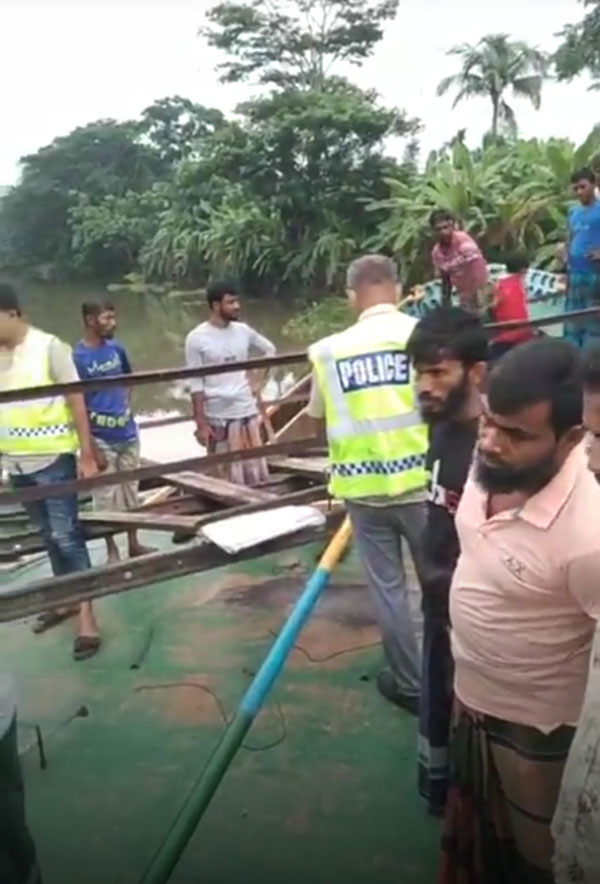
(85, 646)
(51, 618)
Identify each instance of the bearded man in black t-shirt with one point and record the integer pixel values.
(448, 351)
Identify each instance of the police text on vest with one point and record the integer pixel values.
(373, 370)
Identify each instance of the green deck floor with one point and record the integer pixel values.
(334, 800)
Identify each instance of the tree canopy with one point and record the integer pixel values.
(580, 47)
(492, 67)
(294, 42)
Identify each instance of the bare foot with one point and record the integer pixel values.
(137, 550)
(87, 625)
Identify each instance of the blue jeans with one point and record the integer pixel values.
(57, 518)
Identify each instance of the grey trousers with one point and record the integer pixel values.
(378, 534)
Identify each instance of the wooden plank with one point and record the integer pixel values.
(137, 519)
(312, 467)
(157, 496)
(175, 522)
(294, 498)
(218, 489)
(58, 592)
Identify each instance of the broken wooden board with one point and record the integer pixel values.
(72, 589)
(138, 519)
(311, 467)
(176, 522)
(219, 490)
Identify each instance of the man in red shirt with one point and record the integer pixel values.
(510, 303)
(458, 261)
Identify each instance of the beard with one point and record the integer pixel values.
(499, 478)
(435, 410)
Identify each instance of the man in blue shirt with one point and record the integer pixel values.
(583, 258)
(113, 427)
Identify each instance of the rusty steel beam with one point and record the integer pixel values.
(62, 592)
(158, 376)
(75, 486)
(166, 375)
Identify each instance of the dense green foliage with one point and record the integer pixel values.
(580, 49)
(508, 195)
(299, 181)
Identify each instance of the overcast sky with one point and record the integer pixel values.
(66, 62)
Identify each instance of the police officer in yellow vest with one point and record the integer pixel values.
(362, 388)
(39, 441)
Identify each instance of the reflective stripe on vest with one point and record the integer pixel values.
(41, 426)
(378, 467)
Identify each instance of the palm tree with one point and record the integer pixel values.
(494, 65)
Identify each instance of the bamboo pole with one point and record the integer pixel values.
(168, 854)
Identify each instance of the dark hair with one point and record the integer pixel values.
(516, 262)
(440, 215)
(584, 174)
(590, 369)
(92, 309)
(371, 270)
(216, 291)
(448, 333)
(544, 370)
(9, 300)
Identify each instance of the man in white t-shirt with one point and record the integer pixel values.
(225, 407)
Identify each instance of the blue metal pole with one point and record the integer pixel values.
(184, 826)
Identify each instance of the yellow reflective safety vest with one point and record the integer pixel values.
(377, 439)
(34, 426)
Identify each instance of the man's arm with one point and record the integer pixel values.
(260, 343)
(126, 365)
(316, 409)
(446, 289)
(256, 341)
(193, 359)
(63, 371)
(582, 581)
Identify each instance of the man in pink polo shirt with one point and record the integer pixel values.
(523, 604)
(458, 261)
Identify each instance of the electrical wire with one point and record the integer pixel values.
(282, 719)
(353, 649)
(221, 708)
(222, 712)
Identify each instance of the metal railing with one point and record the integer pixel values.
(57, 592)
